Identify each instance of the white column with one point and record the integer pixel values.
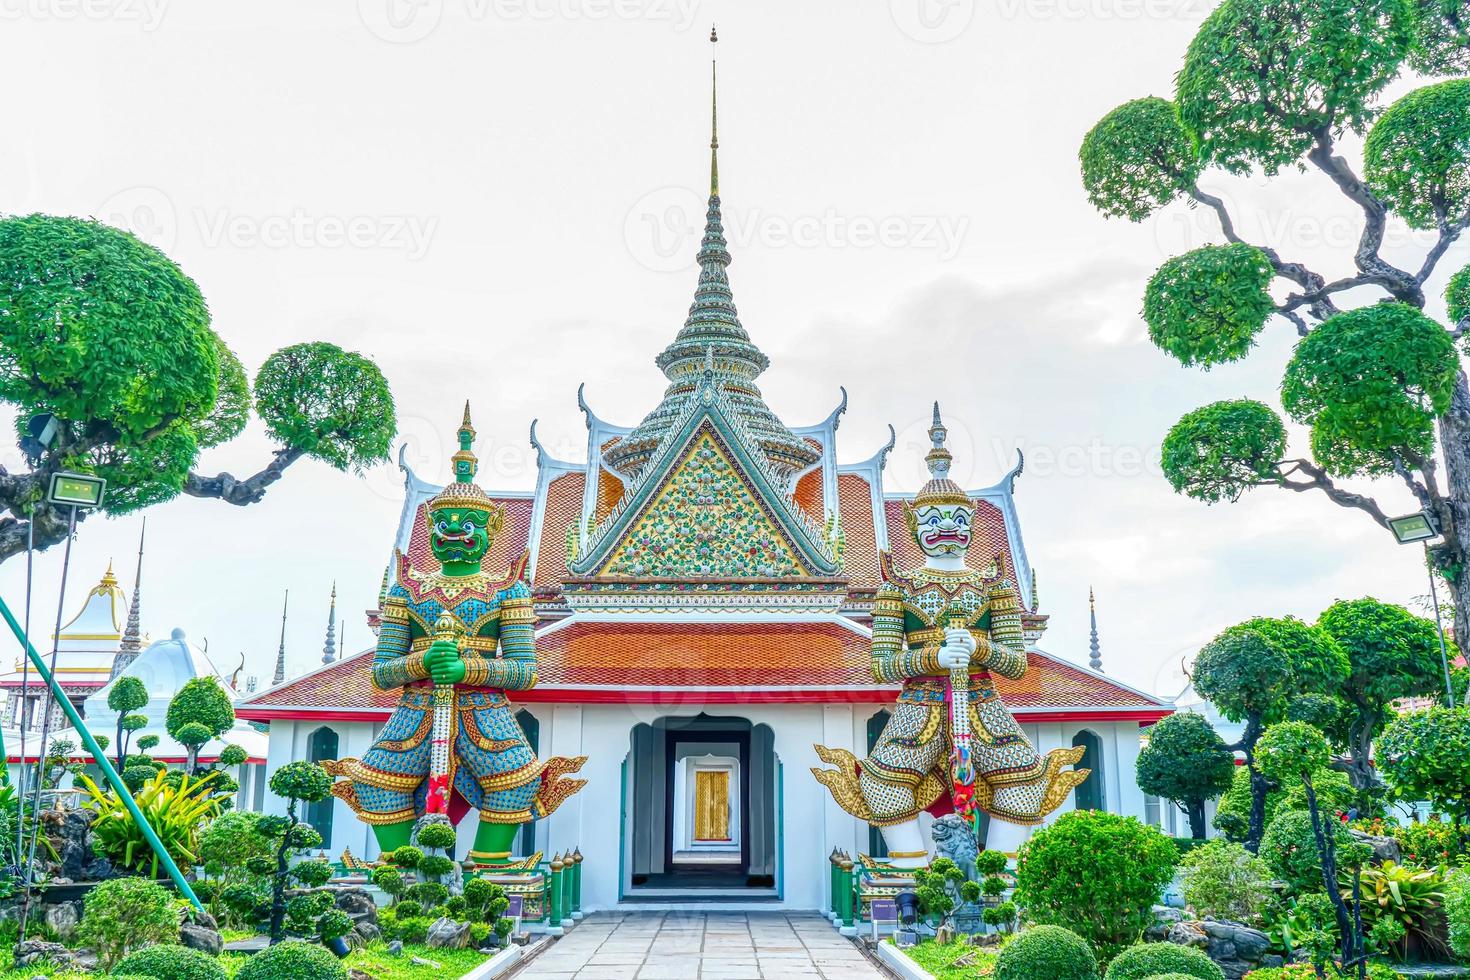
(839, 828)
(605, 730)
(1127, 738)
(280, 750)
(353, 740)
(565, 825)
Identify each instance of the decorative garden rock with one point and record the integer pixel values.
(445, 933)
(357, 903)
(64, 918)
(1188, 933)
(195, 935)
(33, 951)
(73, 840)
(1234, 947)
(1384, 848)
(368, 932)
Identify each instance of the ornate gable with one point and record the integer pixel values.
(707, 507)
(706, 521)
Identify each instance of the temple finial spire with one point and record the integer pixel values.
(329, 650)
(714, 117)
(280, 675)
(1095, 661)
(132, 641)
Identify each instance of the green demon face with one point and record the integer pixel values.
(459, 535)
(943, 529)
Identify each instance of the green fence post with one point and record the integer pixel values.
(577, 883)
(100, 758)
(558, 891)
(848, 915)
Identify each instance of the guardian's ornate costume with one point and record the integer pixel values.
(484, 648)
(942, 630)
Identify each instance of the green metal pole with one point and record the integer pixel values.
(100, 757)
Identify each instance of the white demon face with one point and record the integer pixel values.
(943, 529)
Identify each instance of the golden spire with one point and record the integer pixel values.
(109, 580)
(714, 119)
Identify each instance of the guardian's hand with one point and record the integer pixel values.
(959, 645)
(443, 663)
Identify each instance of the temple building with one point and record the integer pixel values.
(704, 582)
(86, 651)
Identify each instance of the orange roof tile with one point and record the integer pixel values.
(855, 503)
(822, 661)
(563, 506)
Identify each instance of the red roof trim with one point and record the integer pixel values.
(172, 760)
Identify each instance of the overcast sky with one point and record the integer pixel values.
(501, 199)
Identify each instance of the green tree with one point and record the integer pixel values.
(296, 782)
(109, 336)
(1096, 873)
(1425, 755)
(128, 694)
(1291, 751)
(1392, 654)
(1187, 762)
(199, 712)
(1253, 672)
(1269, 85)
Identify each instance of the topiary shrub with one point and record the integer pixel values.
(1153, 959)
(1222, 880)
(171, 963)
(1289, 848)
(123, 914)
(292, 960)
(410, 930)
(1457, 912)
(1046, 953)
(1097, 874)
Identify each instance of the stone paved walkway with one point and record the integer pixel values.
(701, 946)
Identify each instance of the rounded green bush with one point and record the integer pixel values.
(1156, 959)
(1206, 307)
(1457, 294)
(1289, 848)
(1046, 953)
(1098, 874)
(410, 930)
(170, 963)
(437, 835)
(293, 960)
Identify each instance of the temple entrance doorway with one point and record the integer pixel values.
(702, 818)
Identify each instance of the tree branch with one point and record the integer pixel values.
(1322, 307)
(1448, 233)
(226, 487)
(1400, 285)
(1319, 480)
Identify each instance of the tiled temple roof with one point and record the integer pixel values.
(632, 661)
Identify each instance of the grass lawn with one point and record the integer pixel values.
(373, 959)
(936, 958)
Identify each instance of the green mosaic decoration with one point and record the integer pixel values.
(706, 522)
